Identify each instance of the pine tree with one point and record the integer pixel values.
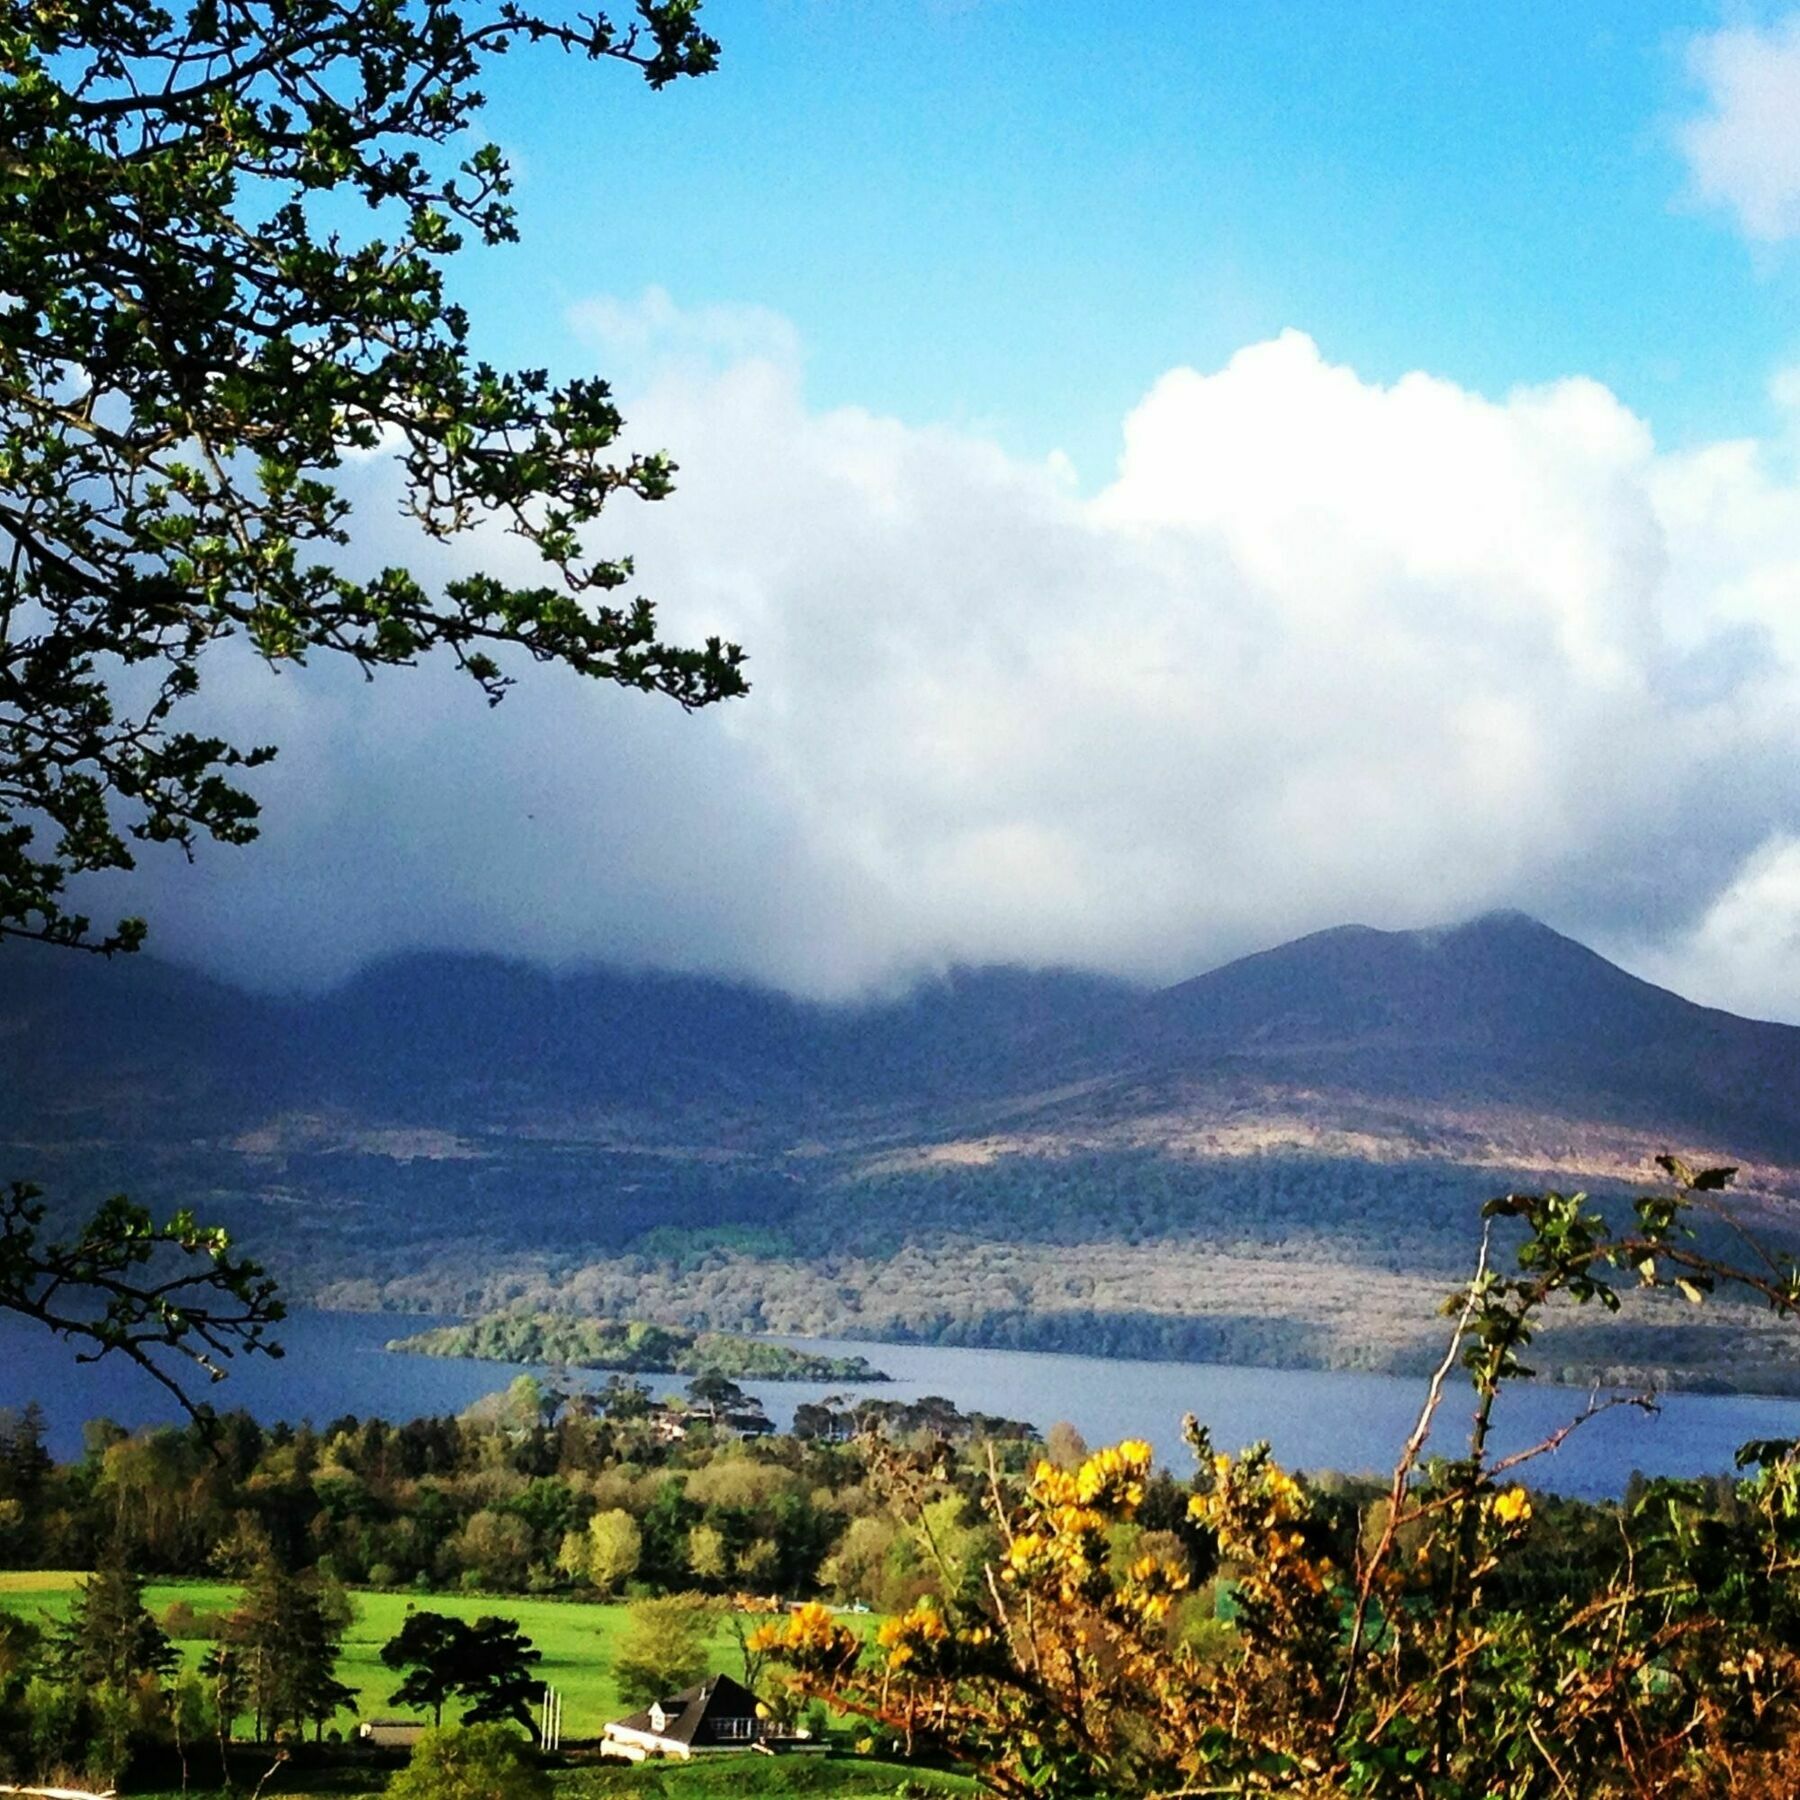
(287, 1647)
(488, 1664)
(25, 1464)
(111, 1639)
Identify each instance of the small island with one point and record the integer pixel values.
(630, 1347)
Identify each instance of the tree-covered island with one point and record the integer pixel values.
(631, 1347)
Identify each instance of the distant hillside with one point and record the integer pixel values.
(1500, 1010)
(1280, 1160)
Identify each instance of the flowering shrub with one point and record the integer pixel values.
(1383, 1660)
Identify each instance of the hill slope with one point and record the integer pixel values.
(1501, 1009)
(1278, 1160)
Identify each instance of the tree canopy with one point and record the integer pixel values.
(487, 1663)
(666, 1646)
(190, 348)
(470, 1762)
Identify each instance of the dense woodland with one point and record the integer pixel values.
(631, 1346)
(1279, 1259)
(890, 1506)
(529, 1492)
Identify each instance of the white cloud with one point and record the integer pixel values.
(1744, 952)
(632, 335)
(1324, 650)
(1743, 151)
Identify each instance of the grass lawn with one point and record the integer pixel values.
(577, 1639)
(37, 1582)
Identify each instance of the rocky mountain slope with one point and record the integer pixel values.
(1278, 1160)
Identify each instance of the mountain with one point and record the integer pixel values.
(1280, 1159)
(1502, 1009)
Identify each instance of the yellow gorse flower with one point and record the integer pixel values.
(1151, 1585)
(911, 1637)
(1068, 1514)
(1028, 1554)
(1513, 1507)
(1114, 1477)
(1256, 1508)
(810, 1637)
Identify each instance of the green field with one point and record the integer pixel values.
(577, 1639)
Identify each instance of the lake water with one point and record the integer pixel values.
(335, 1365)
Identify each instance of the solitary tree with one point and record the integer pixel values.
(496, 1676)
(425, 1647)
(719, 1395)
(189, 349)
(666, 1646)
(487, 1664)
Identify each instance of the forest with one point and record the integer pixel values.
(632, 1346)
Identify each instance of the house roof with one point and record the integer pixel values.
(688, 1717)
(391, 1731)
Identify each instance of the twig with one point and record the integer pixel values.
(1409, 1457)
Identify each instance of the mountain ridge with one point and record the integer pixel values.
(1280, 1158)
(453, 1003)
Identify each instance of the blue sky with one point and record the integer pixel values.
(1185, 475)
(1016, 216)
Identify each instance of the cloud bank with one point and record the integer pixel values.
(1321, 650)
(1743, 150)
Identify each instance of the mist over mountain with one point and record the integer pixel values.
(1001, 1155)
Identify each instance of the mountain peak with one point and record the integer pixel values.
(1502, 979)
(1501, 922)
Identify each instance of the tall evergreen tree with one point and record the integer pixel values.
(25, 1467)
(25, 1464)
(288, 1646)
(110, 1639)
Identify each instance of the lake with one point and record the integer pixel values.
(336, 1365)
